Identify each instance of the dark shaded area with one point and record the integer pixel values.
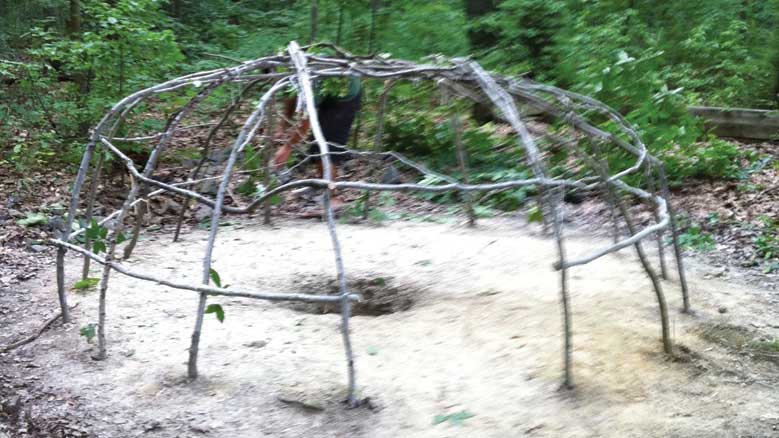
(381, 295)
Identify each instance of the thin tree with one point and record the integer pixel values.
(314, 21)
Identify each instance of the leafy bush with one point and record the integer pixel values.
(695, 238)
(767, 240)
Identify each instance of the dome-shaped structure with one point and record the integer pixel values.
(591, 128)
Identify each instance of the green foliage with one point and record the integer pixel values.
(694, 237)
(455, 419)
(33, 219)
(215, 277)
(71, 81)
(526, 31)
(99, 237)
(507, 200)
(767, 241)
(88, 331)
(86, 283)
(649, 60)
(376, 213)
(767, 346)
(534, 214)
(483, 212)
(217, 310)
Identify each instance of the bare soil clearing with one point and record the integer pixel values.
(476, 330)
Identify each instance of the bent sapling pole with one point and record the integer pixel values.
(119, 224)
(652, 185)
(666, 194)
(565, 300)
(304, 81)
(167, 135)
(247, 133)
(205, 149)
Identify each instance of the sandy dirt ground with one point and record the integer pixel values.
(480, 342)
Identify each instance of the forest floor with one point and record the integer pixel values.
(468, 343)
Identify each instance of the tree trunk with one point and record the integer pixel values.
(375, 5)
(339, 33)
(314, 21)
(480, 39)
(177, 7)
(74, 19)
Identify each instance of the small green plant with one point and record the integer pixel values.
(88, 331)
(33, 219)
(766, 346)
(456, 419)
(215, 308)
(770, 268)
(215, 277)
(712, 220)
(767, 241)
(375, 214)
(717, 159)
(99, 234)
(695, 238)
(86, 283)
(483, 212)
(534, 214)
(506, 200)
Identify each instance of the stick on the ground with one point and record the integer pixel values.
(35, 335)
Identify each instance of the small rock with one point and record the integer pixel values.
(38, 248)
(302, 402)
(391, 176)
(199, 428)
(722, 309)
(256, 344)
(209, 187)
(202, 212)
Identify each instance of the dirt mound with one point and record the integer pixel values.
(382, 295)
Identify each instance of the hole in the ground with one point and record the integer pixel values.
(382, 295)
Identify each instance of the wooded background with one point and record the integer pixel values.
(64, 62)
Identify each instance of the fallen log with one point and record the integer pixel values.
(739, 122)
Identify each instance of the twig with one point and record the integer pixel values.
(215, 291)
(35, 335)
